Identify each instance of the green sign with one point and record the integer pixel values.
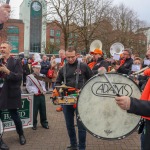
(26, 114)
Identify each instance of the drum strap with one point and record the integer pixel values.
(77, 75)
(64, 72)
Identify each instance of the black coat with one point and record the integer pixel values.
(71, 69)
(142, 108)
(1, 26)
(126, 67)
(100, 63)
(10, 96)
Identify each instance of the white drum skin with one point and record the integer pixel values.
(98, 111)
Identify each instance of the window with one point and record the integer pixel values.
(14, 40)
(70, 35)
(58, 33)
(51, 32)
(76, 35)
(12, 30)
(58, 41)
(52, 40)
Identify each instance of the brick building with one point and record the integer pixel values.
(13, 31)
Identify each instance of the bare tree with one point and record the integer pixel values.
(62, 11)
(88, 19)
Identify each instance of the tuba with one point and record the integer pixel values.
(116, 48)
(96, 44)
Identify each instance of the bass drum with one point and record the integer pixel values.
(98, 111)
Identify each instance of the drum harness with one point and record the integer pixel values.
(77, 76)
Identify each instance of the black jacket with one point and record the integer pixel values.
(45, 65)
(126, 67)
(100, 63)
(10, 95)
(71, 69)
(1, 26)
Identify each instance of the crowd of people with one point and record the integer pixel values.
(73, 70)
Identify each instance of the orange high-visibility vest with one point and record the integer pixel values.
(92, 64)
(146, 95)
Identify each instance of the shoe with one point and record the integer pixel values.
(46, 127)
(22, 139)
(34, 127)
(59, 109)
(3, 146)
(71, 148)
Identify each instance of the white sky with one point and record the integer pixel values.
(142, 7)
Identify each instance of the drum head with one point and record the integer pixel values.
(98, 111)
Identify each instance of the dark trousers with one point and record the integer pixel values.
(16, 118)
(39, 105)
(69, 113)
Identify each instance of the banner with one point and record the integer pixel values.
(26, 114)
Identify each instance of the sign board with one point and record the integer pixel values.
(26, 114)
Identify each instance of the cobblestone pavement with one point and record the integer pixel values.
(56, 137)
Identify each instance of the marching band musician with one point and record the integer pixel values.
(100, 62)
(125, 63)
(139, 107)
(10, 90)
(37, 87)
(74, 74)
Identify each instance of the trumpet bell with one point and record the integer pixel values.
(116, 48)
(96, 44)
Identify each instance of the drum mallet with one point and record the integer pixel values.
(102, 71)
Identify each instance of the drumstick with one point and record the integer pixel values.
(103, 72)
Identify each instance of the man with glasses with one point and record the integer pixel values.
(73, 74)
(10, 90)
(125, 67)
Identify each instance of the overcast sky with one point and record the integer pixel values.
(142, 7)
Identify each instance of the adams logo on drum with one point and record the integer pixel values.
(103, 89)
(97, 109)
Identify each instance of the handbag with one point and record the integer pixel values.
(50, 73)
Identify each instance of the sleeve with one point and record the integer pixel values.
(1, 26)
(17, 72)
(140, 107)
(60, 77)
(29, 86)
(88, 73)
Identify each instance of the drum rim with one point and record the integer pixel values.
(104, 138)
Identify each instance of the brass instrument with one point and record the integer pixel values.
(96, 44)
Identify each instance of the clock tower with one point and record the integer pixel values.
(32, 13)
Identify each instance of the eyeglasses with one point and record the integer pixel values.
(71, 57)
(3, 47)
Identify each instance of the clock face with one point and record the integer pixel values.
(36, 6)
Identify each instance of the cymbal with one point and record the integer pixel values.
(64, 86)
(42, 78)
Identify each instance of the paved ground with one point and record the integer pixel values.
(56, 137)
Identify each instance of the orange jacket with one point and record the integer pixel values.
(146, 95)
(147, 72)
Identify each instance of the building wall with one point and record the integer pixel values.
(20, 25)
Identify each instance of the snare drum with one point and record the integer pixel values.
(67, 100)
(98, 111)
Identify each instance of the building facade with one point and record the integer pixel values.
(32, 13)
